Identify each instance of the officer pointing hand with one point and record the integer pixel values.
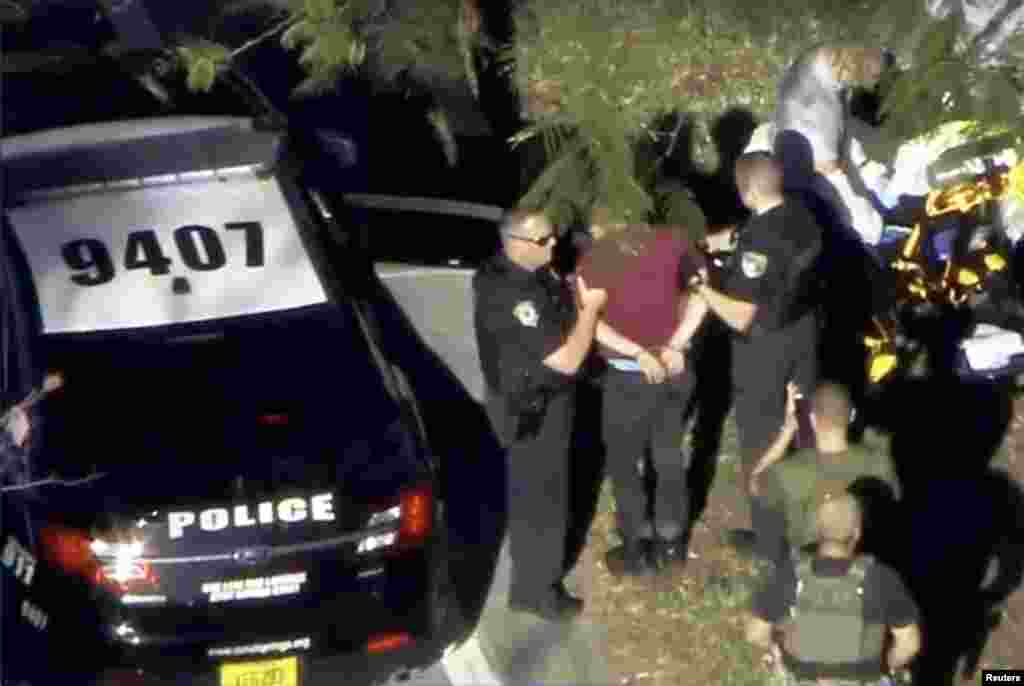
(789, 427)
(534, 331)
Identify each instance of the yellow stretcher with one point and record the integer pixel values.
(952, 281)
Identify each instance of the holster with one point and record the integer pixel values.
(528, 408)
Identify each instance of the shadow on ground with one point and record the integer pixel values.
(959, 515)
(715, 193)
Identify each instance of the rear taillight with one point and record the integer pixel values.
(387, 642)
(412, 518)
(114, 562)
(70, 550)
(417, 515)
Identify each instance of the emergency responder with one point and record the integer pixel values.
(791, 489)
(812, 120)
(533, 338)
(769, 301)
(828, 619)
(644, 334)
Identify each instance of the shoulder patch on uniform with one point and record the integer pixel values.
(526, 313)
(753, 264)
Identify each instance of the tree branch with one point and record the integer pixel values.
(276, 28)
(51, 480)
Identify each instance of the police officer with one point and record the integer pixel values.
(769, 302)
(533, 338)
(839, 618)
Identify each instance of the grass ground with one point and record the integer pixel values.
(687, 629)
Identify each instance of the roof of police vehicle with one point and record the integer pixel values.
(132, 149)
(111, 133)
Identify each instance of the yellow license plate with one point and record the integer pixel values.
(283, 672)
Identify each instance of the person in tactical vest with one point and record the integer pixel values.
(791, 489)
(534, 334)
(769, 301)
(836, 618)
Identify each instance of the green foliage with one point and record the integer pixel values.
(201, 61)
(424, 42)
(421, 45)
(596, 76)
(607, 71)
(945, 82)
(675, 206)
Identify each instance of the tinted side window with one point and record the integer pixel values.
(426, 238)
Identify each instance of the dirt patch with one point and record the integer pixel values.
(684, 628)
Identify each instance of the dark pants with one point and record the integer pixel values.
(538, 499)
(762, 366)
(637, 415)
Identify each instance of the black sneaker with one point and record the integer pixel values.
(633, 558)
(671, 553)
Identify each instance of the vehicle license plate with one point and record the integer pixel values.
(283, 672)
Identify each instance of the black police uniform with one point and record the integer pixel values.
(521, 317)
(776, 267)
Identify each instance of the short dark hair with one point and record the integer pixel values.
(831, 404)
(513, 220)
(839, 519)
(759, 170)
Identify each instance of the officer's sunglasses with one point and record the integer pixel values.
(543, 242)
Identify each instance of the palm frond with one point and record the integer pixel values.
(556, 172)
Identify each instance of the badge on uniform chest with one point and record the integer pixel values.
(753, 264)
(526, 313)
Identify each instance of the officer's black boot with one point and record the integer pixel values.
(633, 558)
(670, 549)
(556, 605)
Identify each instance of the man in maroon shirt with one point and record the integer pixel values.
(644, 334)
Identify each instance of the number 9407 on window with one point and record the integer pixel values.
(199, 248)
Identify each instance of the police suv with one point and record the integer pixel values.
(245, 493)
